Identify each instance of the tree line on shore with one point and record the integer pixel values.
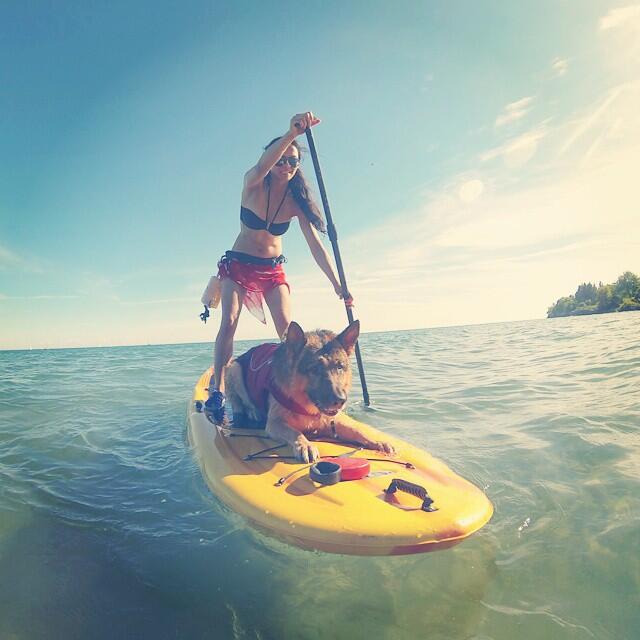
(622, 295)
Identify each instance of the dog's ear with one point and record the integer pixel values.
(349, 336)
(294, 337)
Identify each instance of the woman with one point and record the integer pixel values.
(274, 193)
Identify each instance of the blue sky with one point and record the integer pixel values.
(479, 158)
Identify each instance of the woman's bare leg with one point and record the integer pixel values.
(278, 300)
(231, 304)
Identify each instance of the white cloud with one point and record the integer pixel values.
(620, 37)
(559, 66)
(621, 17)
(159, 301)
(470, 190)
(468, 254)
(570, 205)
(517, 151)
(514, 111)
(9, 260)
(591, 118)
(39, 297)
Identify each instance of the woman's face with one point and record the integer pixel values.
(283, 169)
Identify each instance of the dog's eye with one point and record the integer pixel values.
(339, 366)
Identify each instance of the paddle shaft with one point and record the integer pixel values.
(333, 236)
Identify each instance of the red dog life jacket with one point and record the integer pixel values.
(257, 373)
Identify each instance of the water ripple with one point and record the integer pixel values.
(102, 501)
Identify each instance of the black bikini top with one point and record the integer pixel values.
(254, 221)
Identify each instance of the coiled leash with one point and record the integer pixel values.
(319, 473)
(325, 472)
(322, 473)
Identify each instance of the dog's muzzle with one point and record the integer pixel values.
(331, 409)
(330, 412)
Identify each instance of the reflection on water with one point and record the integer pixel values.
(107, 529)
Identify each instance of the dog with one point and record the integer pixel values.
(297, 389)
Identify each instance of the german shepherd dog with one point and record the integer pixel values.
(307, 387)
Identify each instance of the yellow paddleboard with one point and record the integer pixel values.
(360, 517)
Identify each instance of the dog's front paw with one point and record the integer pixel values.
(305, 451)
(380, 445)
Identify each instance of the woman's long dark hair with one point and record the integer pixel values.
(301, 193)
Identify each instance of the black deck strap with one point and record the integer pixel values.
(397, 484)
(246, 435)
(231, 432)
(273, 457)
(252, 456)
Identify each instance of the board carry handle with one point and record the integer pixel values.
(397, 484)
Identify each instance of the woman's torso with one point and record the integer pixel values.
(260, 242)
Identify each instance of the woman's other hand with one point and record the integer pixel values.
(348, 299)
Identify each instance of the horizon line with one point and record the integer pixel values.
(169, 344)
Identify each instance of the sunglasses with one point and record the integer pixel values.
(292, 161)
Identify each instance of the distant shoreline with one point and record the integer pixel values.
(587, 312)
(589, 299)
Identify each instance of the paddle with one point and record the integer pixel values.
(333, 236)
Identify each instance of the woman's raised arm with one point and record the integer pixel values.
(299, 124)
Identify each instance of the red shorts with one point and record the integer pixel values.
(255, 275)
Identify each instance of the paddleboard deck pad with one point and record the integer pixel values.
(409, 502)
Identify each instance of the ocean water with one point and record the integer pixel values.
(107, 529)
